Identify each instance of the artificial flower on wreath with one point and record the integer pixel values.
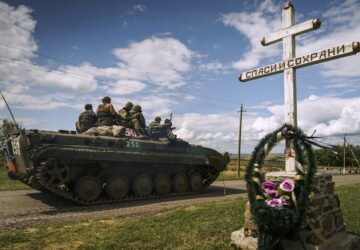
(278, 196)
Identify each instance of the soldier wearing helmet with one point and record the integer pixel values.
(154, 128)
(167, 129)
(87, 119)
(125, 116)
(138, 120)
(155, 123)
(106, 113)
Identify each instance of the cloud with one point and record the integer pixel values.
(17, 29)
(139, 7)
(249, 24)
(215, 67)
(21, 72)
(128, 17)
(212, 130)
(329, 116)
(30, 102)
(18, 48)
(158, 104)
(342, 85)
(340, 25)
(125, 87)
(161, 61)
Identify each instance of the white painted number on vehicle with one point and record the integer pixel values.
(16, 147)
(130, 132)
(132, 144)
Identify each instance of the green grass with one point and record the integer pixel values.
(7, 184)
(350, 206)
(230, 175)
(204, 226)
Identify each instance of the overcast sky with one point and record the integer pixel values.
(180, 57)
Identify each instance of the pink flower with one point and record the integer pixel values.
(284, 201)
(287, 185)
(269, 187)
(275, 202)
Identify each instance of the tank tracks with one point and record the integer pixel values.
(64, 192)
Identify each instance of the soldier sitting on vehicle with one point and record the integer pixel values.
(106, 113)
(166, 130)
(87, 119)
(138, 120)
(106, 117)
(125, 116)
(153, 129)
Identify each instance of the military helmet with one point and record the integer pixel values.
(158, 118)
(106, 99)
(88, 107)
(129, 105)
(137, 108)
(167, 121)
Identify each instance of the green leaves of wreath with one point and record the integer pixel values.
(273, 223)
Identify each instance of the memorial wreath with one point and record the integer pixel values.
(278, 206)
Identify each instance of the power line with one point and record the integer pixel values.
(70, 74)
(75, 64)
(39, 54)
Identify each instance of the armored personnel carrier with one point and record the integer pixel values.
(91, 169)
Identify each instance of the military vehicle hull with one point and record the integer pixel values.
(98, 169)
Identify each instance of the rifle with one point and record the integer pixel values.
(17, 126)
(172, 128)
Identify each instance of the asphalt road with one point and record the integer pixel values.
(26, 208)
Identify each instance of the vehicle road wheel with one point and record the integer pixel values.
(180, 183)
(162, 184)
(142, 185)
(117, 187)
(195, 182)
(55, 173)
(87, 188)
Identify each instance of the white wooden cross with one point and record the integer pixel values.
(290, 63)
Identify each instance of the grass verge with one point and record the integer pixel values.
(204, 226)
(228, 175)
(350, 206)
(7, 184)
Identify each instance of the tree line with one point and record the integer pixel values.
(335, 157)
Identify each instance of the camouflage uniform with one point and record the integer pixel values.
(138, 120)
(87, 119)
(154, 128)
(118, 131)
(167, 130)
(155, 123)
(105, 118)
(125, 116)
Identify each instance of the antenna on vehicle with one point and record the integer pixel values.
(17, 127)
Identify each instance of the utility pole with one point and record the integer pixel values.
(344, 152)
(352, 152)
(239, 142)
